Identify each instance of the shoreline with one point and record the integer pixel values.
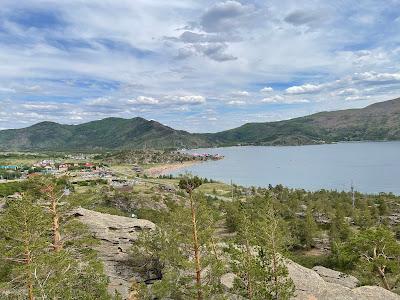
(168, 168)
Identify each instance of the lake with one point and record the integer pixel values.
(373, 167)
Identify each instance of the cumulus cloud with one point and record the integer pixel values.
(304, 89)
(241, 94)
(267, 89)
(155, 58)
(273, 99)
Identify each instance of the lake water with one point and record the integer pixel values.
(373, 167)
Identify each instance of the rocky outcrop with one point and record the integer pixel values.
(333, 276)
(310, 285)
(116, 235)
(332, 285)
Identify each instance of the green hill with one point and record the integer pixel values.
(380, 121)
(110, 133)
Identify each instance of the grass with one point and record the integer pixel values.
(310, 261)
(221, 189)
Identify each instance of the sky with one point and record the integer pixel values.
(200, 66)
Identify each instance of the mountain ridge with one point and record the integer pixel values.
(379, 121)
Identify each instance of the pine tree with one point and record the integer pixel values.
(309, 230)
(374, 251)
(34, 268)
(256, 256)
(189, 184)
(168, 251)
(23, 241)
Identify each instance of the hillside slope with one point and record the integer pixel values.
(110, 133)
(380, 121)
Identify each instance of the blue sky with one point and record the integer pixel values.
(201, 66)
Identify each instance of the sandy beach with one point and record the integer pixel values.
(168, 168)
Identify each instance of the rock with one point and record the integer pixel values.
(333, 276)
(116, 235)
(394, 219)
(227, 280)
(2, 204)
(167, 188)
(374, 292)
(310, 285)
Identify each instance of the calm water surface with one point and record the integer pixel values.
(373, 166)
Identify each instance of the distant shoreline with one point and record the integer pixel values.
(168, 168)
(299, 145)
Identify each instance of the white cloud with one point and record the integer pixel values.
(40, 106)
(267, 89)
(163, 55)
(357, 97)
(273, 99)
(188, 99)
(377, 77)
(241, 94)
(99, 101)
(304, 89)
(144, 100)
(277, 99)
(237, 102)
(349, 91)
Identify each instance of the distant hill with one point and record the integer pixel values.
(380, 121)
(110, 133)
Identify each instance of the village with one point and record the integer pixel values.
(121, 170)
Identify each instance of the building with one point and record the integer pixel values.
(63, 168)
(9, 168)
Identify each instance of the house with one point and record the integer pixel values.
(63, 168)
(48, 170)
(89, 165)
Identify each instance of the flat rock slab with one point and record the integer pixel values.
(310, 285)
(116, 235)
(333, 276)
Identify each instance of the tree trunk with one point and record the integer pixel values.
(28, 262)
(383, 278)
(57, 245)
(274, 267)
(196, 250)
(249, 282)
(29, 280)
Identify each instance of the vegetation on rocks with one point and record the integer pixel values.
(204, 232)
